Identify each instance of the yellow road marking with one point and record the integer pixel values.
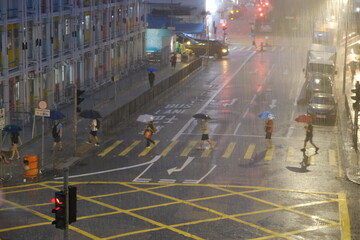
(311, 160)
(147, 150)
(290, 155)
(128, 149)
(108, 149)
(189, 147)
(229, 150)
(269, 154)
(168, 148)
(332, 158)
(344, 217)
(249, 151)
(208, 151)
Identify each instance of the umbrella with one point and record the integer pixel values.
(152, 69)
(93, 114)
(267, 115)
(12, 128)
(56, 115)
(304, 118)
(145, 118)
(202, 116)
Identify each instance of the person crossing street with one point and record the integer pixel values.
(309, 137)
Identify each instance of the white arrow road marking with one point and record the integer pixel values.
(273, 103)
(231, 103)
(198, 181)
(148, 167)
(175, 169)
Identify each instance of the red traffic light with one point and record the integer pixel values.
(224, 26)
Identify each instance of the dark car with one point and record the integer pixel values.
(322, 106)
(215, 48)
(318, 82)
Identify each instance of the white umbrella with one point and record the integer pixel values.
(145, 118)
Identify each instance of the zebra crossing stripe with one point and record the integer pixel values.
(229, 150)
(187, 150)
(109, 149)
(208, 151)
(290, 155)
(269, 154)
(128, 149)
(147, 150)
(249, 151)
(332, 158)
(168, 148)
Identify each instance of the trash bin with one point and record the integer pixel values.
(31, 166)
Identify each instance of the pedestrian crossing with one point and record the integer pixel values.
(266, 48)
(229, 150)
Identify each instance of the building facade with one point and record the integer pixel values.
(48, 46)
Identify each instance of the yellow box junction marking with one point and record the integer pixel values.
(290, 155)
(208, 151)
(269, 154)
(128, 149)
(229, 150)
(147, 150)
(168, 148)
(109, 149)
(226, 190)
(189, 147)
(332, 158)
(249, 151)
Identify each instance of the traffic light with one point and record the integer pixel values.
(79, 99)
(72, 204)
(356, 97)
(224, 26)
(59, 210)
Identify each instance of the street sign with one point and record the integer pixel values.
(2, 118)
(42, 104)
(42, 112)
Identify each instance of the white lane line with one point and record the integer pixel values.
(198, 181)
(113, 170)
(148, 167)
(167, 180)
(142, 180)
(213, 96)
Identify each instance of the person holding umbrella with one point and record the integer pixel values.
(205, 135)
(309, 136)
(269, 129)
(57, 132)
(149, 130)
(15, 140)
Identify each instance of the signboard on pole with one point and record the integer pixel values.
(42, 112)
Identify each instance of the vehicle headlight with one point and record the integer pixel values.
(224, 50)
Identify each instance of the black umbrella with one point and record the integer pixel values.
(56, 115)
(93, 114)
(201, 116)
(12, 128)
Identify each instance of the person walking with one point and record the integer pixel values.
(309, 137)
(15, 140)
(353, 69)
(93, 132)
(173, 60)
(151, 77)
(269, 126)
(205, 135)
(150, 129)
(57, 132)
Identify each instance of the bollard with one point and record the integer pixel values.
(31, 166)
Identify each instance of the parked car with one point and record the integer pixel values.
(318, 82)
(322, 106)
(214, 47)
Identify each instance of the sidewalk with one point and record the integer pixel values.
(105, 100)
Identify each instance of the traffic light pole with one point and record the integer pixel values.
(66, 190)
(356, 113)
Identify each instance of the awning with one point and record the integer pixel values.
(191, 28)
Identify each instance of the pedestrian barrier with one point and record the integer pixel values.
(31, 166)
